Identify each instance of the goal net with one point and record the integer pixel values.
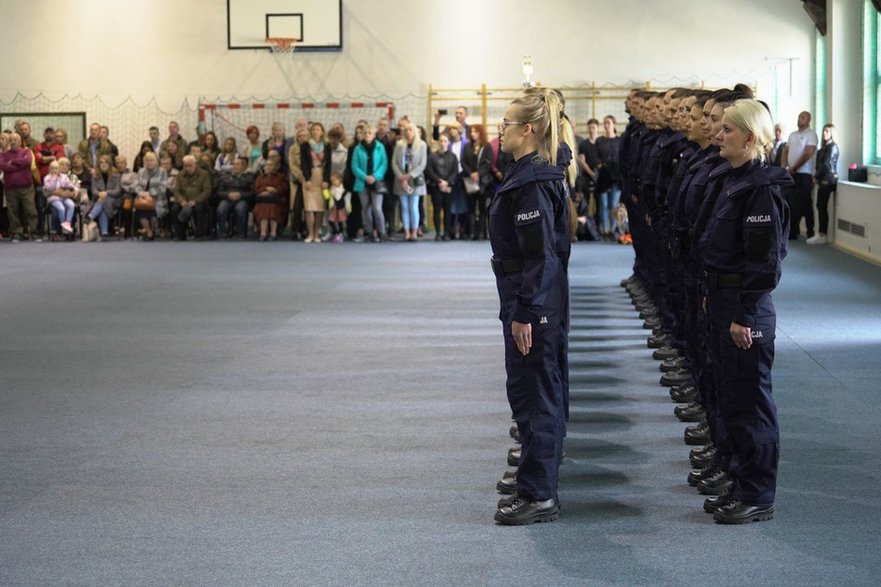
(231, 119)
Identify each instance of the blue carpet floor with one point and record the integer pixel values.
(287, 414)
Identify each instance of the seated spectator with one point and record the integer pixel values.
(146, 147)
(271, 190)
(128, 181)
(60, 197)
(254, 149)
(106, 195)
(81, 175)
(192, 192)
(150, 201)
(226, 160)
(236, 193)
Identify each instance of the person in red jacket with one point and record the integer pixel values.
(47, 152)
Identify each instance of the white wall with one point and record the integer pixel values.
(171, 49)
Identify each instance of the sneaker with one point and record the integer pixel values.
(66, 228)
(16, 239)
(817, 239)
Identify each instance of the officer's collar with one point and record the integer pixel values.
(720, 170)
(527, 170)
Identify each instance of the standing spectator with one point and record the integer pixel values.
(353, 222)
(799, 158)
(48, 152)
(18, 187)
(93, 148)
(211, 146)
(338, 153)
(191, 195)
(477, 172)
(608, 185)
(106, 194)
(60, 193)
(155, 141)
(408, 164)
(271, 192)
(295, 168)
(150, 200)
(461, 115)
(61, 139)
(254, 149)
(588, 161)
(826, 178)
(315, 167)
(105, 136)
(24, 129)
(369, 165)
(174, 137)
(459, 205)
(236, 193)
(226, 160)
(776, 158)
(442, 172)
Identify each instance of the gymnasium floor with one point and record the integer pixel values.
(290, 414)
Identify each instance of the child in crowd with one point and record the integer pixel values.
(60, 194)
(337, 203)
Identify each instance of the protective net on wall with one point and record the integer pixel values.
(231, 119)
(128, 120)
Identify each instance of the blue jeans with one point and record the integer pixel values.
(608, 201)
(241, 213)
(62, 209)
(372, 217)
(97, 213)
(410, 211)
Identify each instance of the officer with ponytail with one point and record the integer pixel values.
(528, 226)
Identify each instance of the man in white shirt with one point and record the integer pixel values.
(798, 156)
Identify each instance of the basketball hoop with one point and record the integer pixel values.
(282, 47)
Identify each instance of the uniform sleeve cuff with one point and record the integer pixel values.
(522, 315)
(745, 318)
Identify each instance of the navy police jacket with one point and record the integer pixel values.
(529, 228)
(746, 233)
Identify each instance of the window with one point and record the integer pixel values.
(871, 83)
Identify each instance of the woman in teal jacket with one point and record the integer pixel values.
(369, 167)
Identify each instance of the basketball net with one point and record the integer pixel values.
(282, 47)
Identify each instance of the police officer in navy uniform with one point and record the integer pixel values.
(528, 226)
(742, 249)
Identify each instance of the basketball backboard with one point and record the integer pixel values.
(316, 24)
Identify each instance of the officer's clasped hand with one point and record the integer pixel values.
(522, 334)
(741, 335)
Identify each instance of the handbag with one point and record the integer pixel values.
(471, 186)
(858, 174)
(144, 203)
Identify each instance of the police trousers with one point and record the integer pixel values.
(536, 393)
(745, 402)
